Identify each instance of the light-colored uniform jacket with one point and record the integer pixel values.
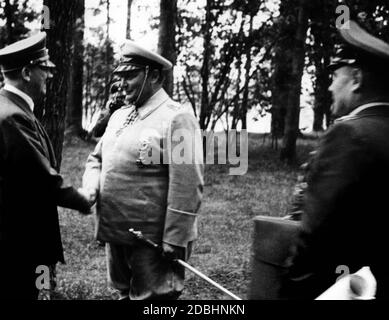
(140, 182)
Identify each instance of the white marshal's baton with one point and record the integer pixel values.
(203, 276)
(138, 235)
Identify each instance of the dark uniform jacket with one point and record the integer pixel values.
(345, 212)
(30, 189)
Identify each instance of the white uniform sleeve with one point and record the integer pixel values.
(186, 170)
(91, 177)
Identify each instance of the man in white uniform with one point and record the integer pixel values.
(143, 183)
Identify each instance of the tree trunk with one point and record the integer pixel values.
(53, 112)
(237, 102)
(128, 30)
(74, 111)
(323, 98)
(247, 80)
(167, 38)
(320, 55)
(108, 54)
(282, 70)
(204, 108)
(279, 81)
(288, 151)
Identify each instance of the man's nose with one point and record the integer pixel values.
(125, 85)
(330, 87)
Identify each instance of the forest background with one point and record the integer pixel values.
(259, 65)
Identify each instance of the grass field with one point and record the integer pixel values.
(225, 226)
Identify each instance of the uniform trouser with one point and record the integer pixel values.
(139, 272)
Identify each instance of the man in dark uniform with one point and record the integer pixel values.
(344, 207)
(30, 188)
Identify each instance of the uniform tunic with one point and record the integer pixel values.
(345, 212)
(140, 186)
(30, 190)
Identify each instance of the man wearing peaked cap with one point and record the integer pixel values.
(344, 207)
(140, 184)
(30, 51)
(30, 187)
(133, 58)
(32, 54)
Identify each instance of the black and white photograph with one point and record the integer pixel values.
(209, 151)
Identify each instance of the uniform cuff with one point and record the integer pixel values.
(180, 227)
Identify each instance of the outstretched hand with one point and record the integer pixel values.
(90, 195)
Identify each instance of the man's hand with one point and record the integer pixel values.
(89, 194)
(171, 251)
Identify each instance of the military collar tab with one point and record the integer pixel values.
(153, 104)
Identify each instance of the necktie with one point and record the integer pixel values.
(131, 118)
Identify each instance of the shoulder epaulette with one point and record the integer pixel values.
(175, 106)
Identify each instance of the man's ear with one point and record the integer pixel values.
(26, 74)
(358, 79)
(155, 76)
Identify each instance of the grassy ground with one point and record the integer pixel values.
(223, 249)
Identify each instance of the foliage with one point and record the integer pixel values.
(14, 14)
(322, 37)
(227, 59)
(99, 63)
(372, 15)
(95, 83)
(213, 79)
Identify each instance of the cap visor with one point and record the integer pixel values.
(47, 64)
(126, 68)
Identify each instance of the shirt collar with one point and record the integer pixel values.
(21, 94)
(153, 103)
(359, 109)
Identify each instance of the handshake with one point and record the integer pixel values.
(90, 195)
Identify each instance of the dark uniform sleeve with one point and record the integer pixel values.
(102, 123)
(334, 170)
(115, 103)
(297, 204)
(24, 151)
(3, 151)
